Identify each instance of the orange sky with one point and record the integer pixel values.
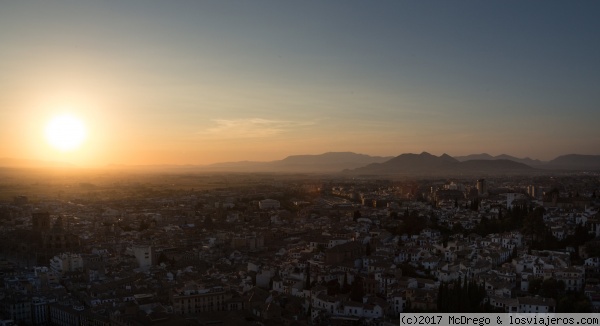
(199, 83)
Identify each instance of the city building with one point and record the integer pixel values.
(144, 254)
(269, 204)
(66, 262)
(482, 187)
(193, 298)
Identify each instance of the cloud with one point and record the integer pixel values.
(249, 128)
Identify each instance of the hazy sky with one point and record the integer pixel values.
(195, 82)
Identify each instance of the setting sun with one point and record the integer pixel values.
(65, 132)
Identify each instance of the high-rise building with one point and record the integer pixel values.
(533, 191)
(481, 187)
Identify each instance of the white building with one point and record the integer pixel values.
(144, 254)
(269, 204)
(264, 277)
(66, 262)
(397, 302)
(536, 305)
(19, 310)
(39, 311)
(325, 302)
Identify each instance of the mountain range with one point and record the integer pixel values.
(486, 156)
(575, 162)
(360, 164)
(425, 164)
(411, 164)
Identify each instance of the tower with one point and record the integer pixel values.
(57, 239)
(40, 221)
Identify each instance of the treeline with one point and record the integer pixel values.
(566, 301)
(462, 295)
(412, 222)
(509, 220)
(526, 219)
(535, 231)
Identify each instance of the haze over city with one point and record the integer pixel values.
(153, 82)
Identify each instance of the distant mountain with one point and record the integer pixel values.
(575, 162)
(426, 164)
(486, 156)
(423, 164)
(322, 163)
(526, 160)
(7, 162)
(482, 156)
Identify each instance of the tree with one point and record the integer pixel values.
(458, 228)
(208, 223)
(552, 288)
(308, 286)
(433, 220)
(535, 285)
(412, 223)
(143, 225)
(462, 295)
(357, 291)
(357, 215)
(368, 249)
(513, 254)
(534, 226)
(333, 287)
(345, 286)
(162, 258)
(592, 248)
(574, 302)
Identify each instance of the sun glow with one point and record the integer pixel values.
(65, 132)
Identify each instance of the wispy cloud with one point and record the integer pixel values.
(250, 128)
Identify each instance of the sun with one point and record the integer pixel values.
(65, 132)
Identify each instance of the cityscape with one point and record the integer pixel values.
(198, 248)
(298, 162)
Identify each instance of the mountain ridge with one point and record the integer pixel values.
(336, 162)
(427, 164)
(575, 162)
(486, 156)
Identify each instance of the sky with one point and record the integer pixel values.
(199, 82)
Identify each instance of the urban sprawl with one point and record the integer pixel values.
(279, 250)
